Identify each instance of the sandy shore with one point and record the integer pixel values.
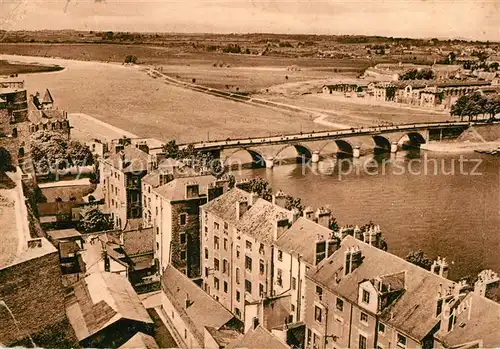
(85, 128)
(465, 147)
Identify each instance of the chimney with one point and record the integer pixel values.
(440, 267)
(188, 301)
(295, 215)
(121, 160)
(486, 279)
(352, 259)
(143, 146)
(332, 246)
(192, 190)
(34, 243)
(281, 225)
(253, 198)
(308, 213)
(320, 250)
(323, 216)
(215, 190)
(164, 178)
(241, 208)
(279, 199)
(357, 233)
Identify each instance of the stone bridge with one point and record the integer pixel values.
(348, 142)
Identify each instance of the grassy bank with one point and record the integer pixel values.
(9, 68)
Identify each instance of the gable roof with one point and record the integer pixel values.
(100, 300)
(479, 322)
(258, 338)
(135, 160)
(224, 206)
(260, 220)
(299, 239)
(175, 190)
(203, 311)
(413, 312)
(140, 340)
(47, 98)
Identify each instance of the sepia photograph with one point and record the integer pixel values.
(250, 174)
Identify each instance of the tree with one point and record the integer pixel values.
(294, 203)
(232, 181)
(261, 187)
(131, 59)
(472, 105)
(80, 154)
(419, 258)
(93, 220)
(171, 149)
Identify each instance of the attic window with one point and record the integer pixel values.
(366, 297)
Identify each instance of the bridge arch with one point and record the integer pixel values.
(237, 157)
(382, 143)
(302, 151)
(412, 139)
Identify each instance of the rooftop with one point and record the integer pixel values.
(413, 312)
(299, 239)
(176, 189)
(480, 321)
(224, 206)
(100, 300)
(64, 234)
(140, 340)
(135, 160)
(258, 338)
(202, 310)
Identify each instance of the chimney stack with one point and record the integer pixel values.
(280, 226)
(308, 213)
(486, 279)
(279, 199)
(332, 245)
(320, 249)
(352, 259)
(241, 208)
(440, 267)
(34, 243)
(192, 190)
(253, 198)
(323, 216)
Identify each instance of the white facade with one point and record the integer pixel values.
(183, 331)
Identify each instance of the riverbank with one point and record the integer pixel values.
(465, 147)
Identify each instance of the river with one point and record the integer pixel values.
(416, 198)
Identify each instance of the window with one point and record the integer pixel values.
(317, 313)
(366, 296)
(316, 340)
(362, 342)
(261, 290)
(319, 292)
(185, 333)
(294, 283)
(262, 267)
(206, 272)
(238, 252)
(225, 266)
(309, 335)
(237, 312)
(248, 286)
(182, 237)
(280, 255)
(216, 283)
(363, 318)
(183, 219)
(225, 225)
(157, 246)
(248, 245)
(206, 253)
(401, 341)
(238, 276)
(279, 277)
(216, 264)
(216, 242)
(225, 287)
(248, 263)
(261, 249)
(183, 255)
(381, 328)
(292, 307)
(216, 226)
(238, 296)
(225, 244)
(340, 304)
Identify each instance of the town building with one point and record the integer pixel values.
(44, 117)
(105, 311)
(121, 175)
(171, 206)
(364, 297)
(238, 233)
(258, 338)
(195, 319)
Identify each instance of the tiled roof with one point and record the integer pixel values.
(258, 338)
(102, 299)
(413, 312)
(480, 321)
(138, 241)
(68, 248)
(300, 238)
(224, 336)
(261, 218)
(135, 160)
(203, 311)
(176, 189)
(224, 206)
(142, 341)
(64, 234)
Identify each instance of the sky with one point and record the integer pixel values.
(469, 19)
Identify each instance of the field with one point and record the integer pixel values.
(127, 98)
(8, 230)
(9, 68)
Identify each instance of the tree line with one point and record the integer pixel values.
(475, 104)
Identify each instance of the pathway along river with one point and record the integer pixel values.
(453, 215)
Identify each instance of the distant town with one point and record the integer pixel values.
(120, 240)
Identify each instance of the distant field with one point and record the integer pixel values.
(127, 98)
(8, 68)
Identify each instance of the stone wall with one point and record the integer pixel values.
(33, 291)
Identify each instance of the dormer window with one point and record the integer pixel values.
(366, 297)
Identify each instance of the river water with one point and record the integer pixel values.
(446, 205)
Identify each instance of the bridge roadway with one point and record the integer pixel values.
(324, 135)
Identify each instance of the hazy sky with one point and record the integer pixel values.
(413, 18)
